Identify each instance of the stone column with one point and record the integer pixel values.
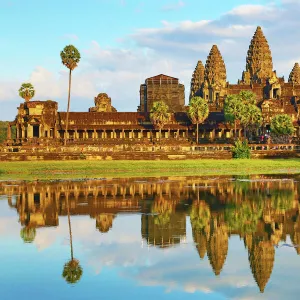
(95, 134)
(132, 134)
(23, 132)
(123, 134)
(30, 131)
(169, 133)
(85, 136)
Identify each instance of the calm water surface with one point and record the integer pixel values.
(154, 238)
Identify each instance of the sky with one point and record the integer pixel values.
(123, 42)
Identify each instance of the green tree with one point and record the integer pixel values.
(72, 271)
(159, 115)
(70, 58)
(233, 110)
(282, 125)
(28, 234)
(198, 112)
(251, 117)
(247, 97)
(26, 91)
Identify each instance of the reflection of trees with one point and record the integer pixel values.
(163, 208)
(200, 215)
(282, 199)
(72, 271)
(28, 234)
(243, 217)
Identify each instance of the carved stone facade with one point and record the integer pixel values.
(102, 104)
(162, 88)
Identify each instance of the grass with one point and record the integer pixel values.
(44, 170)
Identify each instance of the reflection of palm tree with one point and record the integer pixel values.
(28, 234)
(72, 270)
(164, 208)
(200, 215)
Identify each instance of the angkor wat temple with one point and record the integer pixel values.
(41, 120)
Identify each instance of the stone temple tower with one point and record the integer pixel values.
(197, 79)
(259, 65)
(214, 77)
(294, 77)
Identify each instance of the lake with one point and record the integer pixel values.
(151, 238)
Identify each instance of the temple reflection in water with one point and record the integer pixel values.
(261, 212)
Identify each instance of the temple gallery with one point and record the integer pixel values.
(42, 121)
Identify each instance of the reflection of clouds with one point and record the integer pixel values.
(178, 268)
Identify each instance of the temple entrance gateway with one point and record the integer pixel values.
(36, 131)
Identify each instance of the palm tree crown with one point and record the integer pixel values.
(72, 271)
(198, 112)
(26, 91)
(159, 114)
(70, 57)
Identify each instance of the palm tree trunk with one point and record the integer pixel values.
(69, 221)
(197, 134)
(68, 109)
(159, 135)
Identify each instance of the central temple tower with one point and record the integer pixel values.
(259, 64)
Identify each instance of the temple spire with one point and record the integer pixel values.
(259, 64)
(197, 79)
(215, 70)
(295, 74)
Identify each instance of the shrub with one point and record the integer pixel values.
(241, 149)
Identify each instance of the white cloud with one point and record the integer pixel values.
(173, 49)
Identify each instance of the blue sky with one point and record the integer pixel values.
(122, 42)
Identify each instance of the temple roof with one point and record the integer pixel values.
(161, 76)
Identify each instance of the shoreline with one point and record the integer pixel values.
(52, 170)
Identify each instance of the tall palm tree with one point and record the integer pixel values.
(251, 118)
(159, 115)
(72, 271)
(26, 91)
(198, 112)
(70, 58)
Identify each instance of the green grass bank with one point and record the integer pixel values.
(44, 170)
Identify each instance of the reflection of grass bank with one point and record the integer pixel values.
(96, 169)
